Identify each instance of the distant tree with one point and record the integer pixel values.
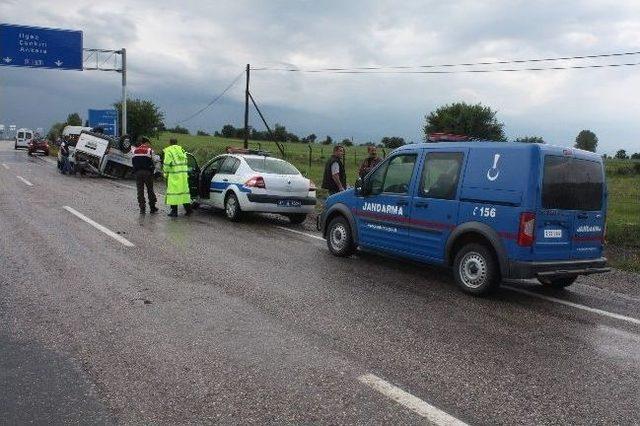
(635, 156)
(202, 133)
(180, 130)
(586, 140)
(310, 139)
(217, 134)
(228, 131)
(392, 142)
(346, 142)
(74, 119)
(369, 144)
(476, 121)
(621, 154)
(143, 118)
(327, 141)
(605, 156)
(530, 139)
(55, 131)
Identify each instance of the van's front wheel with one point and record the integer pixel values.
(339, 237)
(557, 283)
(476, 270)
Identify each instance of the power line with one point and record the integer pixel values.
(201, 110)
(476, 71)
(449, 65)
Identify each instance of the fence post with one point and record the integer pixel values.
(309, 168)
(384, 153)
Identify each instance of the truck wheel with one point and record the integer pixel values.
(340, 238)
(297, 218)
(475, 269)
(557, 282)
(232, 207)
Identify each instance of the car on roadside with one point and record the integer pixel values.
(23, 137)
(38, 145)
(487, 210)
(244, 181)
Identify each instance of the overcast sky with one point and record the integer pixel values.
(181, 57)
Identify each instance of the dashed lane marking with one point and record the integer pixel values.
(413, 403)
(5, 166)
(575, 305)
(301, 233)
(26, 182)
(99, 227)
(608, 314)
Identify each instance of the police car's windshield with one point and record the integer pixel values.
(572, 184)
(271, 165)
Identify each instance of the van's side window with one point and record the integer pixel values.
(441, 174)
(394, 176)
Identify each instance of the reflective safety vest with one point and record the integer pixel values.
(175, 170)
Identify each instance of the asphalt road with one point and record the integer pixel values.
(198, 320)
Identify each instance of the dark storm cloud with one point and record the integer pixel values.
(182, 56)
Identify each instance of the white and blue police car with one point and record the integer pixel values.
(251, 181)
(489, 210)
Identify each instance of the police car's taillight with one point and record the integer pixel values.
(255, 182)
(526, 228)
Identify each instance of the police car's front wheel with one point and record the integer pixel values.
(339, 237)
(476, 270)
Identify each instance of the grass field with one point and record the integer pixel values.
(623, 219)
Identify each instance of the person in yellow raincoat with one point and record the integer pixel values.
(174, 167)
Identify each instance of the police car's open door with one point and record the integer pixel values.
(194, 175)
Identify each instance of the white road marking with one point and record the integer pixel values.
(99, 227)
(301, 233)
(409, 401)
(122, 185)
(575, 305)
(5, 166)
(26, 182)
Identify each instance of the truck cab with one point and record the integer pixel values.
(488, 210)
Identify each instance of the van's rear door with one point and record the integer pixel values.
(570, 219)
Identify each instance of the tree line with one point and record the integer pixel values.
(475, 121)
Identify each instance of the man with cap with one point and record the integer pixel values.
(175, 169)
(143, 169)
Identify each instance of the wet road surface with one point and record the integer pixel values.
(199, 320)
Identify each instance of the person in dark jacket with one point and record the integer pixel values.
(335, 179)
(370, 162)
(143, 169)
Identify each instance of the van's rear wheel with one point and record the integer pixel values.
(476, 270)
(557, 282)
(340, 238)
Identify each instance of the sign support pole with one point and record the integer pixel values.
(123, 54)
(246, 111)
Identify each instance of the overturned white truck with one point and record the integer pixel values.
(100, 154)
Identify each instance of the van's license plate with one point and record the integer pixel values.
(289, 203)
(553, 233)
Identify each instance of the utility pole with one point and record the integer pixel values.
(246, 111)
(123, 52)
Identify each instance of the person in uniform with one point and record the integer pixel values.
(370, 162)
(335, 178)
(175, 170)
(143, 169)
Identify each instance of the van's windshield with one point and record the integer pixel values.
(572, 184)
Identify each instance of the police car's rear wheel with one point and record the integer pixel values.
(475, 269)
(339, 238)
(558, 283)
(232, 207)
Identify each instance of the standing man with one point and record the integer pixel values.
(370, 162)
(175, 170)
(143, 168)
(335, 179)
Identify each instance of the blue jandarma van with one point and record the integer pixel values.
(489, 210)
